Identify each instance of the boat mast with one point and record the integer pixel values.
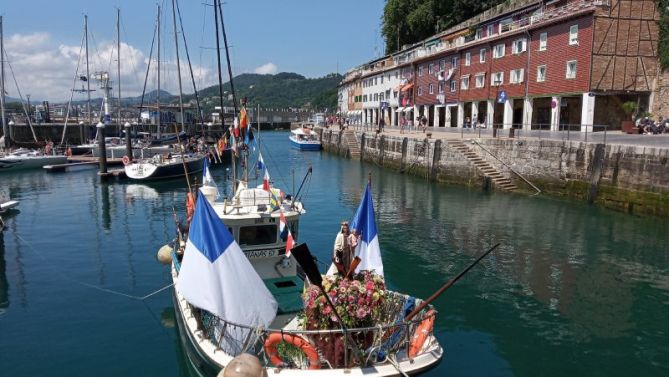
(118, 67)
(217, 6)
(88, 79)
(176, 46)
(158, 95)
(5, 130)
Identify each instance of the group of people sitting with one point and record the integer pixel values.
(649, 126)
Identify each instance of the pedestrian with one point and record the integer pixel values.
(342, 255)
(423, 123)
(403, 124)
(382, 124)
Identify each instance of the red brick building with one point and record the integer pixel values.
(534, 64)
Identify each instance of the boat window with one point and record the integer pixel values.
(257, 234)
(293, 226)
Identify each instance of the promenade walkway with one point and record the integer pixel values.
(603, 137)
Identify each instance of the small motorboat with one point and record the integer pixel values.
(305, 139)
(22, 158)
(8, 205)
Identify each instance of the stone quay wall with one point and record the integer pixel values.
(626, 178)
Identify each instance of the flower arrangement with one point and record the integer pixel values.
(358, 300)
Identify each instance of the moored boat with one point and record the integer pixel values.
(22, 159)
(305, 139)
(163, 167)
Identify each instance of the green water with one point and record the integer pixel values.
(572, 291)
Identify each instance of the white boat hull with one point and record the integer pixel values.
(12, 163)
(6, 206)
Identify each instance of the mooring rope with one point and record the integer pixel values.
(88, 285)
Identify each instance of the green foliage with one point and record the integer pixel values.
(630, 108)
(410, 21)
(282, 90)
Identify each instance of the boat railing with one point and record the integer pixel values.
(336, 348)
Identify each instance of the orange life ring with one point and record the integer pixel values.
(126, 160)
(275, 338)
(420, 335)
(190, 206)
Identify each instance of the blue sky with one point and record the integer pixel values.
(312, 38)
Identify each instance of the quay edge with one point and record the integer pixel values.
(632, 179)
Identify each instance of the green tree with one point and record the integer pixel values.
(410, 21)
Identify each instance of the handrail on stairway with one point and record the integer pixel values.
(510, 168)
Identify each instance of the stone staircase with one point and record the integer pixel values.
(488, 170)
(352, 142)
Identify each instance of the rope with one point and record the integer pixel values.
(88, 285)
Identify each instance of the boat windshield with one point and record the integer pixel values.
(257, 235)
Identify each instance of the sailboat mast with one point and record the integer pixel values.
(176, 46)
(158, 95)
(118, 67)
(218, 58)
(5, 130)
(227, 57)
(88, 76)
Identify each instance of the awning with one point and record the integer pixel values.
(407, 109)
(407, 87)
(399, 110)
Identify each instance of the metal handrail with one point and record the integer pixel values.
(510, 168)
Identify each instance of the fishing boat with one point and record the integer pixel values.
(305, 139)
(22, 159)
(163, 167)
(255, 221)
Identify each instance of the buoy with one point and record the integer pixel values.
(244, 365)
(165, 254)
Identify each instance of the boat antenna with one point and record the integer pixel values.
(5, 130)
(190, 69)
(158, 125)
(88, 81)
(118, 69)
(146, 77)
(176, 44)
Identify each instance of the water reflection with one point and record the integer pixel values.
(4, 283)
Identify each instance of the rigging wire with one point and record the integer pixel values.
(74, 83)
(89, 285)
(18, 90)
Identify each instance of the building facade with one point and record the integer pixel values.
(560, 64)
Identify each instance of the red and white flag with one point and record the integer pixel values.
(265, 181)
(285, 234)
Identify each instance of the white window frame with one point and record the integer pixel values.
(479, 81)
(482, 54)
(430, 88)
(454, 86)
(430, 68)
(442, 64)
(468, 59)
(543, 41)
(498, 51)
(420, 91)
(464, 82)
(571, 75)
(517, 76)
(519, 46)
(500, 80)
(454, 61)
(573, 35)
(491, 30)
(541, 78)
(420, 71)
(442, 87)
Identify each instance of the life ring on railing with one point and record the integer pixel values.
(420, 335)
(275, 338)
(68, 152)
(126, 160)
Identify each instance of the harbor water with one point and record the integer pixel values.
(573, 290)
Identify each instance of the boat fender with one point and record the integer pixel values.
(165, 254)
(244, 365)
(126, 160)
(420, 335)
(190, 206)
(275, 338)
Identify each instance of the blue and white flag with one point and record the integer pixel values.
(216, 276)
(368, 249)
(261, 163)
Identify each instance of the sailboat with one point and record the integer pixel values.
(21, 158)
(239, 281)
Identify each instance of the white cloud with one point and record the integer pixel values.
(269, 68)
(46, 70)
